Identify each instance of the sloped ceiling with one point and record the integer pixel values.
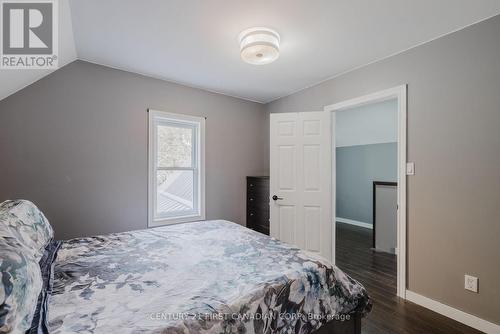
(195, 42)
(13, 80)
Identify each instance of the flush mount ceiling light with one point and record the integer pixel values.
(259, 45)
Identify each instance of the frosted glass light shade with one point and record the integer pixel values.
(259, 45)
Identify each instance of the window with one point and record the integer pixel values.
(176, 168)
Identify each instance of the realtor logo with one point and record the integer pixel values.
(29, 34)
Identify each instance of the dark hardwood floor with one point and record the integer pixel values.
(377, 272)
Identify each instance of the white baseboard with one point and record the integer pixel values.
(354, 222)
(453, 313)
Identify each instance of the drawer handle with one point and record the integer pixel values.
(251, 199)
(251, 214)
(251, 184)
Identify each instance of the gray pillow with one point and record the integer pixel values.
(20, 285)
(21, 220)
(24, 234)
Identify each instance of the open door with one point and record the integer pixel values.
(300, 181)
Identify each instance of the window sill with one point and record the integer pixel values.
(175, 220)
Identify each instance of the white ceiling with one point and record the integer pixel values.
(195, 42)
(13, 80)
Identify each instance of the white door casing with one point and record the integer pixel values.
(399, 93)
(300, 176)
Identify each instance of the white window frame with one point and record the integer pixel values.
(156, 118)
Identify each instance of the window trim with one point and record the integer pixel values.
(155, 117)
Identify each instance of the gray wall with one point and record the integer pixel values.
(357, 168)
(75, 143)
(454, 139)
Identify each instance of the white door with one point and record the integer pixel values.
(300, 181)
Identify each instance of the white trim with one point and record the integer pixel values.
(199, 157)
(399, 93)
(333, 182)
(453, 313)
(354, 222)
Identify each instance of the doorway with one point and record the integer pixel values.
(369, 181)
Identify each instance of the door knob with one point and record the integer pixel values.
(275, 198)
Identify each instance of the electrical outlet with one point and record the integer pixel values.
(471, 283)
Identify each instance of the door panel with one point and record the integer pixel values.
(312, 215)
(287, 217)
(312, 162)
(286, 167)
(312, 127)
(286, 128)
(301, 179)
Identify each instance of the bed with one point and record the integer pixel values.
(200, 277)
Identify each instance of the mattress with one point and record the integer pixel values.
(201, 277)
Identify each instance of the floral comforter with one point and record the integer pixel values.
(202, 277)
